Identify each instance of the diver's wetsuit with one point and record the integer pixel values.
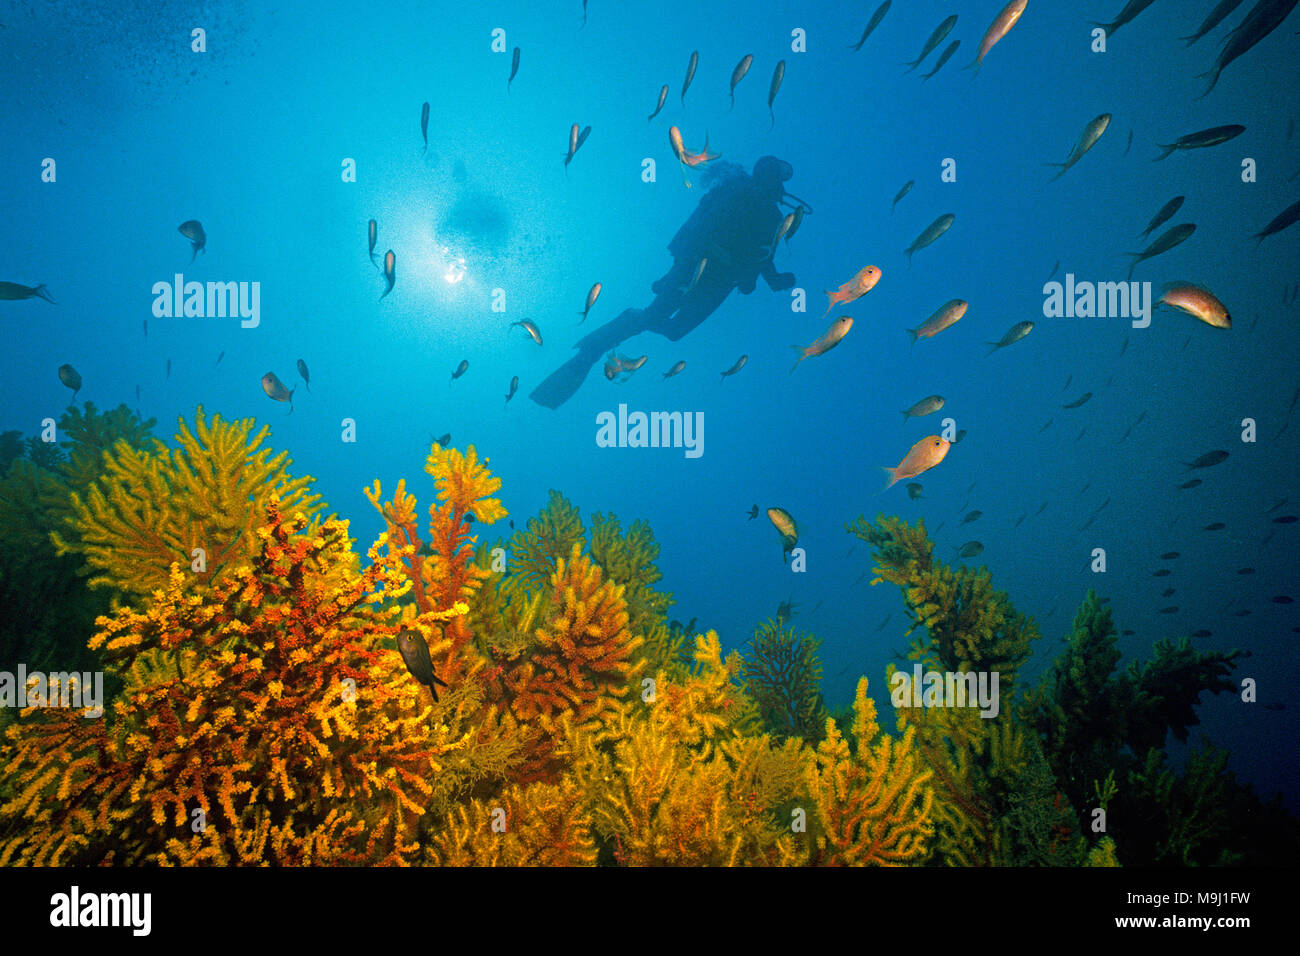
(732, 228)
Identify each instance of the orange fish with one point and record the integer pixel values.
(684, 156)
(1197, 301)
(855, 288)
(923, 456)
(999, 28)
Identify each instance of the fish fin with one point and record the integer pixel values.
(830, 304)
(44, 293)
(194, 255)
(802, 356)
(892, 473)
(976, 63)
(1213, 81)
(905, 417)
(993, 347)
(1064, 168)
(912, 333)
(1167, 151)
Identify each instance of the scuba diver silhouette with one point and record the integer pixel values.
(731, 232)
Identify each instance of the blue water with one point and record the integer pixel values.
(250, 138)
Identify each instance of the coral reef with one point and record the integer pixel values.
(783, 674)
(261, 714)
(871, 803)
(294, 734)
(46, 609)
(149, 507)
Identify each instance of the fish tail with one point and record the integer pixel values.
(905, 417)
(44, 293)
(1167, 151)
(771, 126)
(729, 109)
(912, 333)
(1213, 81)
(1064, 167)
(892, 473)
(195, 254)
(802, 355)
(993, 347)
(976, 63)
(831, 303)
(1191, 39)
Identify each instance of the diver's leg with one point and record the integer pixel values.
(560, 386)
(696, 306)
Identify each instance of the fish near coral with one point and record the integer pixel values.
(276, 391)
(69, 377)
(415, 654)
(922, 456)
(785, 526)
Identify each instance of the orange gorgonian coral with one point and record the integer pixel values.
(285, 734)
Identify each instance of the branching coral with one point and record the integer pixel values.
(46, 609)
(538, 824)
(299, 738)
(630, 560)
(969, 625)
(547, 538)
(152, 507)
(871, 804)
(673, 779)
(783, 674)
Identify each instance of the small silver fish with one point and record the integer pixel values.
(738, 74)
(663, 95)
(276, 391)
(528, 326)
(740, 363)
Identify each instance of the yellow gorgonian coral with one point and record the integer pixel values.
(198, 504)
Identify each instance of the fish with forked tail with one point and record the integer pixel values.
(14, 292)
(415, 655)
(827, 341)
(740, 363)
(786, 527)
(1087, 140)
(922, 456)
(931, 233)
(276, 391)
(1014, 335)
(999, 28)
